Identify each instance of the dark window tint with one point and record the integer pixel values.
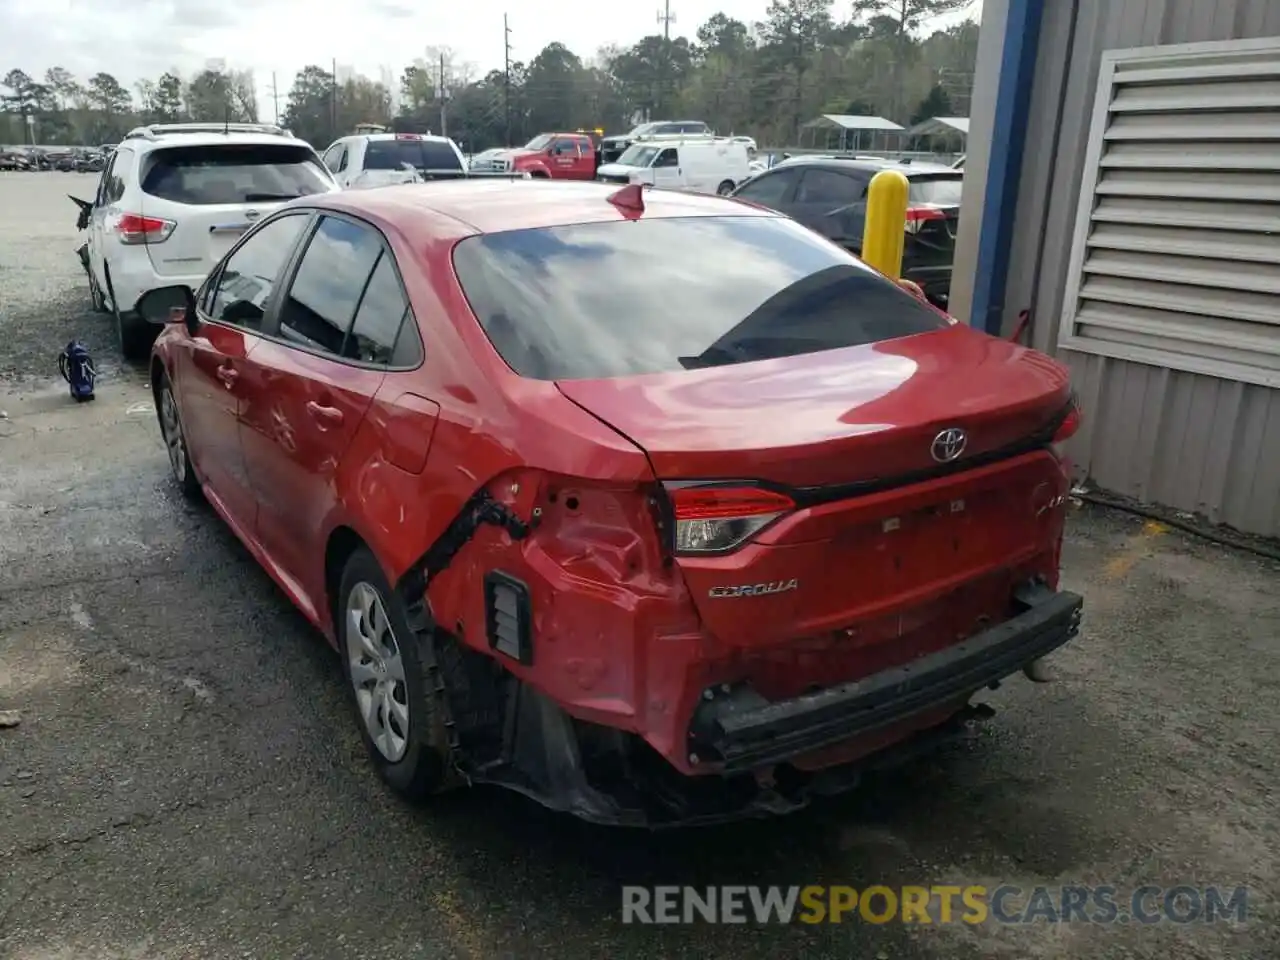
(419, 154)
(769, 189)
(378, 321)
(233, 173)
(828, 187)
(568, 302)
(668, 158)
(694, 128)
(565, 146)
(330, 280)
(944, 191)
(247, 282)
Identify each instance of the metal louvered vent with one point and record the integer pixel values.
(508, 616)
(1176, 255)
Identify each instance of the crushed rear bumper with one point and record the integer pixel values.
(740, 731)
(612, 778)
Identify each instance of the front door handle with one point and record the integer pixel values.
(325, 415)
(228, 375)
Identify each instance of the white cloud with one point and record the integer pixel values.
(142, 38)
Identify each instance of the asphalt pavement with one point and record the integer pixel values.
(186, 780)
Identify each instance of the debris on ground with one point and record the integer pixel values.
(9, 718)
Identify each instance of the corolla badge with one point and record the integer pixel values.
(949, 444)
(754, 589)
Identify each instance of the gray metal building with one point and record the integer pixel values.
(1123, 186)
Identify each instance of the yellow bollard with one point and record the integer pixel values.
(886, 224)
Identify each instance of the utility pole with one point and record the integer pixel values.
(333, 101)
(666, 18)
(444, 99)
(275, 97)
(506, 74)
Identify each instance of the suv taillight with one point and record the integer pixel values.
(718, 517)
(918, 216)
(135, 228)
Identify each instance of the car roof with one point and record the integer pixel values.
(907, 167)
(495, 206)
(166, 140)
(435, 137)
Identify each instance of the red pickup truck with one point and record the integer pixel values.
(554, 156)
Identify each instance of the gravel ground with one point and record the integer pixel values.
(44, 297)
(186, 781)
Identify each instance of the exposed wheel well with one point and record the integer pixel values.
(539, 175)
(343, 542)
(157, 370)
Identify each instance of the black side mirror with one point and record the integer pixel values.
(86, 212)
(176, 304)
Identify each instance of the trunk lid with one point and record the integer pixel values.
(889, 554)
(851, 416)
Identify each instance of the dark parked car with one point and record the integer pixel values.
(829, 195)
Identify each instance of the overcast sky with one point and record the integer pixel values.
(132, 39)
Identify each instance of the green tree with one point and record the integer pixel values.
(897, 21)
(935, 104)
(167, 103)
(552, 86)
(793, 31)
(310, 110)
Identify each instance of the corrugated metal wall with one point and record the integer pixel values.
(1191, 442)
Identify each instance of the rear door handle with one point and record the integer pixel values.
(228, 375)
(328, 416)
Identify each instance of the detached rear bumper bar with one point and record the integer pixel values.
(739, 730)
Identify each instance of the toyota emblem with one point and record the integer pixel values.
(251, 214)
(949, 444)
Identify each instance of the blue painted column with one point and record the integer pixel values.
(1004, 166)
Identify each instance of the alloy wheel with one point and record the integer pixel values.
(377, 672)
(171, 427)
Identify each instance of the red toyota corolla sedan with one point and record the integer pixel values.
(658, 508)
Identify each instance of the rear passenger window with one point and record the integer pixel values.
(379, 320)
(242, 294)
(328, 284)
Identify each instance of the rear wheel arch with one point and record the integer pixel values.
(343, 541)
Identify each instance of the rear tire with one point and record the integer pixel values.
(95, 294)
(133, 334)
(391, 673)
(175, 440)
(725, 188)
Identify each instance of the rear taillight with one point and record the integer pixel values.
(135, 228)
(917, 217)
(717, 517)
(1067, 429)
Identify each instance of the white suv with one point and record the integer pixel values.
(174, 198)
(381, 159)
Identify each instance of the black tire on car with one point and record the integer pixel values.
(95, 294)
(391, 675)
(175, 440)
(725, 188)
(133, 334)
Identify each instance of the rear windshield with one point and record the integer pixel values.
(234, 173)
(419, 154)
(651, 296)
(944, 191)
